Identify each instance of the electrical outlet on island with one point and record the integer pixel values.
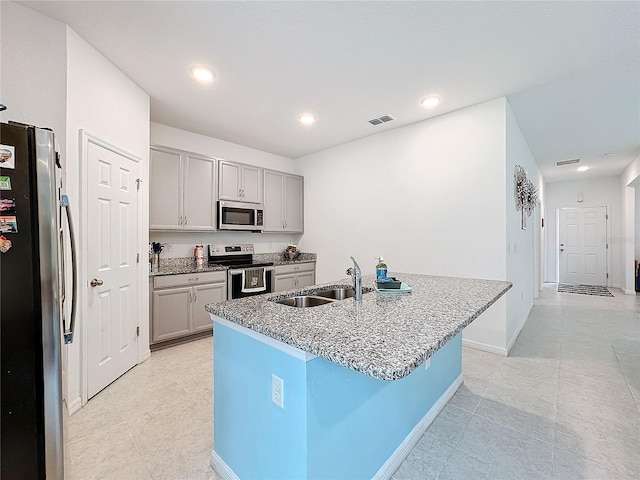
(277, 391)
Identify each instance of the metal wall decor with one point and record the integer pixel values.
(526, 194)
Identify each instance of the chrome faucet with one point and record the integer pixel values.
(356, 274)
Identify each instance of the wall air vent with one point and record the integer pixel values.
(382, 119)
(567, 162)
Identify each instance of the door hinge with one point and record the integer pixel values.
(138, 331)
(606, 216)
(137, 258)
(607, 275)
(607, 246)
(138, 182)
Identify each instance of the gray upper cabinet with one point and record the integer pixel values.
(182, 191)
(283, 202)
(242, 183)
(199, 193)
(165, 189)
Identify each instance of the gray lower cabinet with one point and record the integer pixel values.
(177, 303)
(295, 275)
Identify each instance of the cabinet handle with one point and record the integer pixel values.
(195, 296)
(194, 279)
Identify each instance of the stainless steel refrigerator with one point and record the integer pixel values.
(33, 301)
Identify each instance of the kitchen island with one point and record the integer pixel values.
(342, 390)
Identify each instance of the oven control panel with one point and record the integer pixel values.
(223, 250)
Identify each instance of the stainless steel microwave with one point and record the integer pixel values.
(240, 216)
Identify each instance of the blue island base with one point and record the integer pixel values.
(335, 423)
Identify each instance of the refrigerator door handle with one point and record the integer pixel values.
(68, 333)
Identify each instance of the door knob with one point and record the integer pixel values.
(562, 249)
(96, 283)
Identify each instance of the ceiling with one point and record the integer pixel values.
(571, 70)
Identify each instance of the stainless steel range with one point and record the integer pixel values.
(244, 277)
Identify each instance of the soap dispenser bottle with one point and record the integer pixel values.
(381, 269)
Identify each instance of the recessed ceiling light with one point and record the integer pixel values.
(430, 101)
(202, 73)
(306, 118)
(583, 168)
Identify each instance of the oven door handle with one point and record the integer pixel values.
(239, 271)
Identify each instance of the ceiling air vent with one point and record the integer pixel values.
(382, 119)
(567, 162)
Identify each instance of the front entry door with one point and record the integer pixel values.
(112, 271)
(583, 245)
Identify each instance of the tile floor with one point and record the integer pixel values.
(563, 405)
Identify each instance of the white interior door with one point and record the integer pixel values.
(582, 249)
(112, 242)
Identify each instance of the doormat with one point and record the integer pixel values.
(584, 289)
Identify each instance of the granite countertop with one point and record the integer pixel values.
(386, 336)
(174, 266)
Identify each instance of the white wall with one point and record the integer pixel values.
(603, 191)
(180, 244)
(33, 69)
(108, 105)
(636, 229)
(629, 179)
(429, 197)
(214, 147)
(522, 245)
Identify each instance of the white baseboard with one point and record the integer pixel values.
(403, 450)
(629, 292)
(221, 468)
(394, 461)
(144, 355)
(514, 337)
(74, 405)
(485, 347)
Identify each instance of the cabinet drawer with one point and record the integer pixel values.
(196, 278)
(295, 268)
